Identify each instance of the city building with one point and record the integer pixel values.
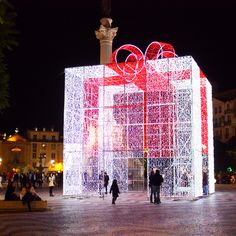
(38, 151)
(224, 115)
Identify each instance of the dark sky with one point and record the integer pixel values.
(55, 34)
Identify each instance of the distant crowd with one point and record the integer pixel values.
(36, 179)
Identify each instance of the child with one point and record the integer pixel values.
(115, 191)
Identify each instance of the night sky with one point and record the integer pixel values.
(55, 34)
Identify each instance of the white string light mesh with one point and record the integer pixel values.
(148, 109)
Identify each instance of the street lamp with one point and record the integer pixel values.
(0, 163)
(52, 162)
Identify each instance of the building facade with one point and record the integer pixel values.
(224, 115)
(39, 150)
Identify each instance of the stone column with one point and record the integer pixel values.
(105, 34)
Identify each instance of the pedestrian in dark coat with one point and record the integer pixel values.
(106, 181)
(114, 190)
(156, 183)
(205, 183)
(151, 176)
(10, 194)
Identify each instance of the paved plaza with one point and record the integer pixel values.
(132, 215)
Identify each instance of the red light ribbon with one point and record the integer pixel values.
(134, 68)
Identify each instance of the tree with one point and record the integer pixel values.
(7, 41)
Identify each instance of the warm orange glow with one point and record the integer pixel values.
(57, 166)
(16, 149)
(16, 138)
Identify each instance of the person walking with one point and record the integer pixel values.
(51, 184)
(106, 181)
(114, 190)
(156, 184)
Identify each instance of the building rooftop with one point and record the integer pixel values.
(16, 138)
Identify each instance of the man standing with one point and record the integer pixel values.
(151, 176)
(205, 183)
(106, 181)
(51, 184)
(157, 181)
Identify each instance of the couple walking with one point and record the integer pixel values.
(155, 181)
(104, 181)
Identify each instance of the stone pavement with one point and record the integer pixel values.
(133, 215)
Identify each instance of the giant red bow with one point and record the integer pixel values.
(134, 68)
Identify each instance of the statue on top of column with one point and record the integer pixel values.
(106, 8)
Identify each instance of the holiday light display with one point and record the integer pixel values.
(153, 106)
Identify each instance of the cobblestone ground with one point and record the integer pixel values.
(132, 215)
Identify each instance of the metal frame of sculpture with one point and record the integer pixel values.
(154, 106)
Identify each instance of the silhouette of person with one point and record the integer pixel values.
(106, 181)
(205, 183)
(151, 176)
(114, 190)
(10, 194)
(156, 184)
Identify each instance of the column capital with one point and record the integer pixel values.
(105, 34)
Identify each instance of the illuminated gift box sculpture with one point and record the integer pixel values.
(154, 105)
